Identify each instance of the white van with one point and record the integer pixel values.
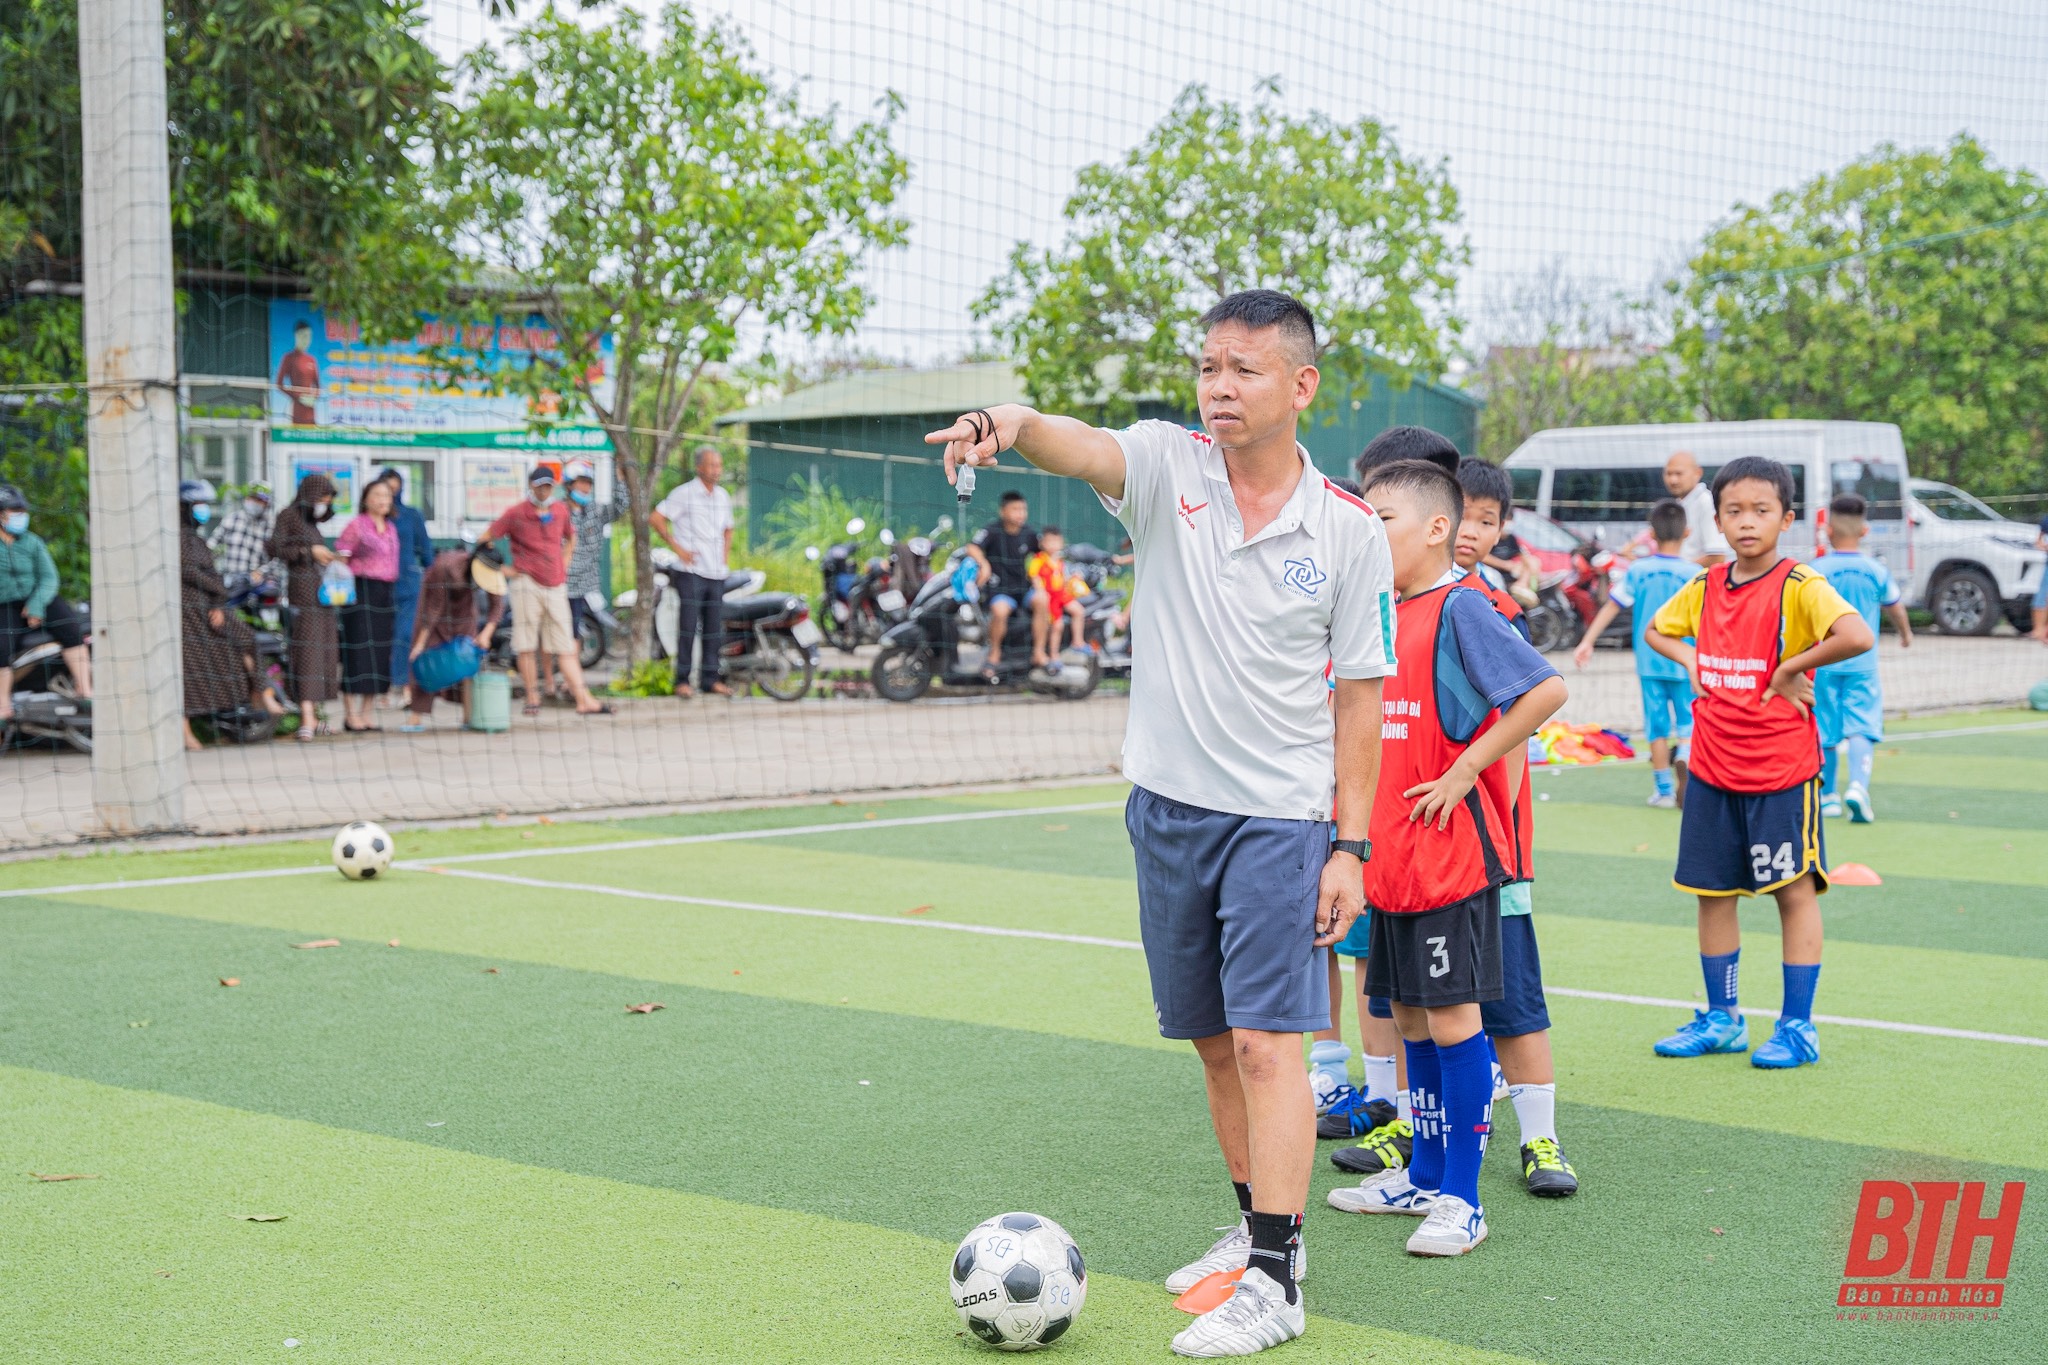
(1602, 481)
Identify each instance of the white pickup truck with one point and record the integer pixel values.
(1967, 565)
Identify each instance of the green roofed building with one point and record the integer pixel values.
(864, 435)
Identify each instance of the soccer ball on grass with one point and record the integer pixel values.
(361, 850)
(1018, 1281)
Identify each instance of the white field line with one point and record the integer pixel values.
(1132, 945)
(667, 841)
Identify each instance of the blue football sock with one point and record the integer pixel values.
(1666, 780)
(1800, 979)
(1720, 972)
(1830, 765)
(1862, 757)
(1467, 1069)
(1426, 1104)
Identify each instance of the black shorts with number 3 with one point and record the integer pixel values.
(1749, 843)
(1449, 956)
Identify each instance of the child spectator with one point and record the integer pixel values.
(1063, 593)
(1518, 1024)
(1469, 692)
(1650, 582)
(1752, 814)
(1847, 701)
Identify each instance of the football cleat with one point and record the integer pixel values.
(1831, 807)
(1858, 802)
(1663, 800)
(1388, 1147)
(1793, 1043)
(1228, 1252)
(1253, 1318)
(1452, 1228)
(1387, 1192)
(1709, 1031)
(1545, 1171)
(1354, 1115)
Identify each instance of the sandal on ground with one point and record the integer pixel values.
(718, 689)
(305, 736)
(412, 728)
(531, 708)
(599, 710)
(683, 692)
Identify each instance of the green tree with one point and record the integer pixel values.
(1908, 287)
(1215, 199)
(291, 137)
(666, 193)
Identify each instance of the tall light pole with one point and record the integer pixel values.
(138, 761)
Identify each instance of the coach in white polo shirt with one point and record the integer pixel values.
(1254, 572)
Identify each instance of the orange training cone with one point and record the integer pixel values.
(1853, 874)
(1211, 1291)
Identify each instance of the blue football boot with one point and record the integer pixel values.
(1709, 1031)
(1793, 1043)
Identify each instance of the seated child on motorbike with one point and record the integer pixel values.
(1063, 591)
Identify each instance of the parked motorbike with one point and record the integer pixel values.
(925, 648)
(595, 625)
(1568, 599)
(1103, 606)
(769, 639)
(46, 703)
(847, 612)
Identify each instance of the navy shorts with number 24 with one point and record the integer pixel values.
(1749, 843)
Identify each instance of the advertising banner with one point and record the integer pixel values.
(323, 374)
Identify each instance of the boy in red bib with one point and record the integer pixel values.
(1752, 811)
(1469, 691)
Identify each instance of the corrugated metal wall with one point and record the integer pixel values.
(885, 459)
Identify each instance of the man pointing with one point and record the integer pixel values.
(1254, 573)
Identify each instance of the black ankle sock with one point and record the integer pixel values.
(1275, 1239)
(1244, 1197)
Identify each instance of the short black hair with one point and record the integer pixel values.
(1849, 505)
(1483, 479)
(1051, 530)
(1407, 443)
(1763, 471)
(1428, 481)
(1009, 496)
(1258, 309)
(302, 326)
(1348, 485)
(1667, 520)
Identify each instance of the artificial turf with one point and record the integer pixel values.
(505, 1165)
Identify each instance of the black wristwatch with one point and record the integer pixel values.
(1360, 849)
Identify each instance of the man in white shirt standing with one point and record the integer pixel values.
(696, 521)
(1254, 572)
(1686, 481)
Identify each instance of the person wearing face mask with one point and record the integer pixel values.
(315, 641)
(588, 518)
(543, 543)
(237, 535)
(29, 601)
(415, 557)
(218, 652)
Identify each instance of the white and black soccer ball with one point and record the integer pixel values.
(362, 850)
(1018, 1281)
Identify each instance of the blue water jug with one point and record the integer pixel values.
(443, 666)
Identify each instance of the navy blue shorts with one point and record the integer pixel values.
(1227, 910)
(1749, 843)
(1521, 1008)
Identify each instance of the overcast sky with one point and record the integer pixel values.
(1605, 135)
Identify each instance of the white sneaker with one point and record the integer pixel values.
(1858, 802)
(1256, 1316)
(1831, 807)
(1330, 1084)
(1663, 800)
(1453, 1228)
(1231, 1251)
(1387, 1192)
(1500, 1083)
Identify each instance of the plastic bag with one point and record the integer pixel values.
(440, 668)
(337, 585)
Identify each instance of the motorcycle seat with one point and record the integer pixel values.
(759, 607)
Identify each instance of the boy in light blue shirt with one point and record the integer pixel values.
(1652, 581)
(1848, 704)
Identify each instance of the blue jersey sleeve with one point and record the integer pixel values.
(1481, 664)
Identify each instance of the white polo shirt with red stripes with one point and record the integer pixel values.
(1229, 637)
